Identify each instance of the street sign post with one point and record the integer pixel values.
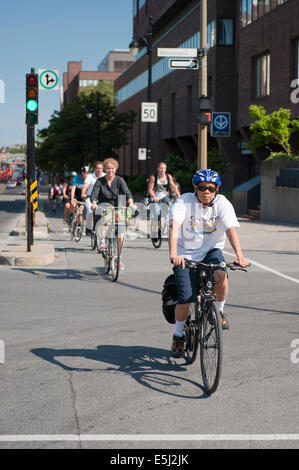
(48, 79)
(149, 112)
(192, 64)
(220, 124)
(176, 52)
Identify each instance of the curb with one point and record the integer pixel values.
(17, 255)
(40, 229)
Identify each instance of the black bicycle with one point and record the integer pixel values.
(203, 326)
(162, 226)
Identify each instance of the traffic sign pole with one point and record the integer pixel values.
(202, 145)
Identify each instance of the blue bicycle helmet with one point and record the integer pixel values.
(206, 175)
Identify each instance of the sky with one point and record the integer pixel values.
(48, 34)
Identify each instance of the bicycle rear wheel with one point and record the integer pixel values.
(157, 241)
(191, 332)
(115, 258)
(211, 347)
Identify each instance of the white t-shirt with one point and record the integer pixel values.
(91, 179)
(202, 229)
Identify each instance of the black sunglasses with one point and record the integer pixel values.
(211, 189)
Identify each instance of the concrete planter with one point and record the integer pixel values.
(278, 204)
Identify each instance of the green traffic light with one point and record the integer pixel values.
(31, 105)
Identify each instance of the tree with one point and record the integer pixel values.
(271, 129)
(69, 142)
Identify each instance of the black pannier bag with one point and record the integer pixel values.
(169, 298)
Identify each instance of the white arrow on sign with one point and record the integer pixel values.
(176, 52)
(184, 64)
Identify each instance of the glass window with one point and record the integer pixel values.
(141, 3)
(134, 7)
(254, 10)
(243, 13)
(249, 11)
(260, 8)
(211, 32)
(262, 76)
(267, 5)
(225, 33)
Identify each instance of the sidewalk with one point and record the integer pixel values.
(15, 252)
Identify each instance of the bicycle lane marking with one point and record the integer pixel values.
(266, 268)
(148, 437)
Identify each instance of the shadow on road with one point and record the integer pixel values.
(151, 367)
(97, 275)
(262, 309)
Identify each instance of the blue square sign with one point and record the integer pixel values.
(220, 125)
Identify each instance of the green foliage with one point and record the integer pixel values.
(70, 140)
(137, 184)
(282, 156)
(271, 129)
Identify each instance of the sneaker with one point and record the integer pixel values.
(177, 347)
(224, 321)
(88, 231)
(121, 266)
(102, 246)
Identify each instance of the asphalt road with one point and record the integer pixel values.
(85, 356)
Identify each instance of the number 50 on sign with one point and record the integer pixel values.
(149, 112)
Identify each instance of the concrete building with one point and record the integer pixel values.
(253, 56)
(116, 61)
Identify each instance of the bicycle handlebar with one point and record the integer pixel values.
(232, 266)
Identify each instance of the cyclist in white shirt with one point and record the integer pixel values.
(199, 224)
(86, 193)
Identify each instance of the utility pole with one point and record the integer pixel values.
(203, 88)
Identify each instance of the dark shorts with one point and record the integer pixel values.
(186, 278)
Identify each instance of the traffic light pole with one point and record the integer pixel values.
(202, 158)
(30, 177)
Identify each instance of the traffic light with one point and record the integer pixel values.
(205, 118)
(32, 98)
(205, 110)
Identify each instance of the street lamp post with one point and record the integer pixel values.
(95, 111)
(135, 46)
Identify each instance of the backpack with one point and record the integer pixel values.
(169, 298)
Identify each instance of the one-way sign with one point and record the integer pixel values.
(184, 64)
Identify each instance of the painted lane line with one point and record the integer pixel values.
(148, 437)
(262, 266)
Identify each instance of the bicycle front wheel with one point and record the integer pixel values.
(115, 258)
(191, 332)
(78, 233)
(211, 347)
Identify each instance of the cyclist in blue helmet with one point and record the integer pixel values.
(199, 224)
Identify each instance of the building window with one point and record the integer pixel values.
(296, 59)
(262, 76)
(141, 3)
(211, 32)
(225, 32)
(135, 7)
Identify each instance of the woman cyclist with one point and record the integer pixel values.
(110, 190)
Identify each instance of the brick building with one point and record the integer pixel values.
(253, 56)
(109, 69)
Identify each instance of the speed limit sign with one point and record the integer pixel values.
(149, 112)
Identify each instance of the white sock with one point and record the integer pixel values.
(179, 328)
(220, 305)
